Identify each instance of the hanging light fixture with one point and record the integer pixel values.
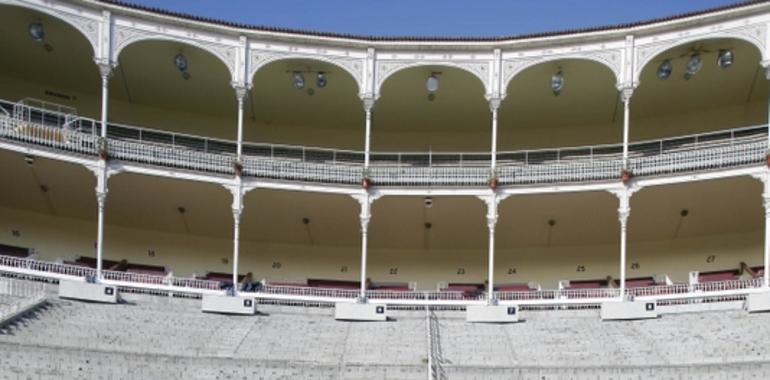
(693, 66)
(298, 80)
(665, 69)
(180, 61)
(431, 84)
(36, 32)
(320, 79)
(557, 82)
(725, 58)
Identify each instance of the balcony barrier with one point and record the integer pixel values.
(732, 289)
(58, 128)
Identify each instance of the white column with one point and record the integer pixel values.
(368, 106)
(105, 70)
(625, 95)
(492, 202)
(494, 105)
(237, 192)
(366, 204)
(240, 94)
(101, 201)
(766, 203)
(624, 210)
(766, 65)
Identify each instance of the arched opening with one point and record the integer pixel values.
(409, 117)
(291, 237)
(701, 226)
(585, 111)
(547, 238)
(150, 89)
(55, 65)
(713, 98)
(443, 241)
(304, 102)
(184, 226)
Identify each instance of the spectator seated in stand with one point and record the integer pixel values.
(248, 284)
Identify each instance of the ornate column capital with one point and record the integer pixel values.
(492, 201)
(105, 67)
(241, 89)
(764, 177)
(626, 91)
(368, 100)
(624, 196)
(365, 199)
(494, 100)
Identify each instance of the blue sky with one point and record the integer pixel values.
(434, 17)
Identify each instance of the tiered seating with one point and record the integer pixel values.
(580, 345)
(333, 284)
(638, 282)
(121, 266)
(464, 290)
(220, 276)
(513, 287)
(588, 288)
(720, 275)
(159, 337)
(9, 250)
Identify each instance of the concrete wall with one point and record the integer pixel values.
(55, 237)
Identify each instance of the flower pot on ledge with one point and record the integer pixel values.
(626, 175)
(237, 168)
(366, 183)
(493, 182)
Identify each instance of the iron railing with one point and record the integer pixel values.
(27, 266)
(56, 127)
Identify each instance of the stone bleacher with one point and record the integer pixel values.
(577, 344)
(162, 337)
(169, 338)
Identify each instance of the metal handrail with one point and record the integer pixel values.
(706, 151)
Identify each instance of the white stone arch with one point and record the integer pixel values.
(753, 35)
(386, 69)
(353, 66)
(88, 27)
(125, 37)
(610, 59)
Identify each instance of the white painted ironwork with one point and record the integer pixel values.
(58, 271)
(44, 126)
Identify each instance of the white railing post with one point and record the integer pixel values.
(237, 208)
(102, 172)
(625, 96)
(365, 200)
(105, 70)
(492, 201)
(765, 178)
(624, 211)
(241, 90)
(368, 107)
(494, 105)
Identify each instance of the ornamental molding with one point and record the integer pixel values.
(88, 26)
(755, 34)
(610, 58)
(386, 68)
(259, 58)
(126, 35)
(71, 14)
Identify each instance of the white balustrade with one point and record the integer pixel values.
(58, 128)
